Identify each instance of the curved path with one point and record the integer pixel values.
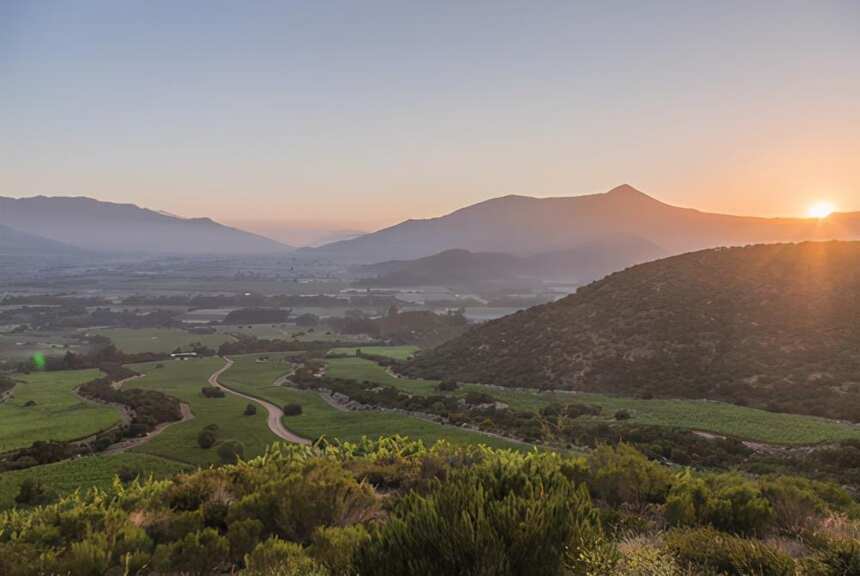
(275, 413)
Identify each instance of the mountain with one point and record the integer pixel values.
(14, 243)
(109, 227)
(523, 225)
(462, 268)
(777, 326)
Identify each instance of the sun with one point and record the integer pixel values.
(821, 210)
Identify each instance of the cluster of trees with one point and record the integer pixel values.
(391, 507)
(422, 328)
(257, 316)
(148, 408)
(246, 344)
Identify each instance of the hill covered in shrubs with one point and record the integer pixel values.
(392, 507)
(774, 326)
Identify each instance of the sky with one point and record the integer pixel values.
(305, 119)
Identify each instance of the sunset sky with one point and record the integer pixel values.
(355, 115)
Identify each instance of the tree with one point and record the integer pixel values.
(250, 410)
(231, 451)
(292, 409)
(206, 439)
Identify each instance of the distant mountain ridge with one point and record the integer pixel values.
(776, 326)
(462, 268)
(526, 226)
(125, 228)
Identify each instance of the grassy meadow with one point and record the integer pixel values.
(184, 380)
(134, 340)
(708, 416)
(57, 413)
(396, 352)
(96, 471)
(318, 418)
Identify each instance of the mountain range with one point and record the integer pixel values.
(107, 227)
(462, 268)
(523, 225)
(777, 326)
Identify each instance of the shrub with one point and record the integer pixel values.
(243, 535)
(523, 517)
(212, 392)
(726, 501)
(31, 492)
(206, 439)
(231, 451)
(250, 410)
(447, 386)
(280, 558)
(621, 475)
(335, 548)
(199, 553)
(292, 409)
(709, 549)
(623, 415)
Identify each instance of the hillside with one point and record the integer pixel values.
(485, 269)
(526, 226)
(108, 227)
(14, 243)
(775, 326)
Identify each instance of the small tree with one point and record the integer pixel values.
(231, 451)
(292, 409)
(206, 439)
(250, 410)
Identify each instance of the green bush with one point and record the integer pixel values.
(335, 548)
(250, 410)
(280, 558)
(199, 553)
(621, 475)
(292, 409)
(231, 451)
(709, 549)
(206, 439)
(518, 518)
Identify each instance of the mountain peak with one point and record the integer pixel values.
(626, 190)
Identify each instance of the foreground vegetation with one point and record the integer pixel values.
(394, 507)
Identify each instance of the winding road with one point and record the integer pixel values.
(275, 423)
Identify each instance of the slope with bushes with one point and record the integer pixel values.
(391, 507)
(772, 326)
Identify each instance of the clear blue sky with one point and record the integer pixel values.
(359, 114)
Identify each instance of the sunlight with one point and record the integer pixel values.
(821, 210)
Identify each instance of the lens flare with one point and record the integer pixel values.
(39, 361)
(821, 210)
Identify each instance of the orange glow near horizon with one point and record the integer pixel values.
(821, 210)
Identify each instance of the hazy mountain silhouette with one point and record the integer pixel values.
(108, 227)
(458, 267)
(524, 225)
(20, 244)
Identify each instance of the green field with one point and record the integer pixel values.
(58, 414)
(287, 332)
(84, 473)
(715, 417)
(133, 341)
(320, 419)
(183, 380)
(396, 352)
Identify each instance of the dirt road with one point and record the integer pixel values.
(275, 412)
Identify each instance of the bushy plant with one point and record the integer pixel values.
(709, 549)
